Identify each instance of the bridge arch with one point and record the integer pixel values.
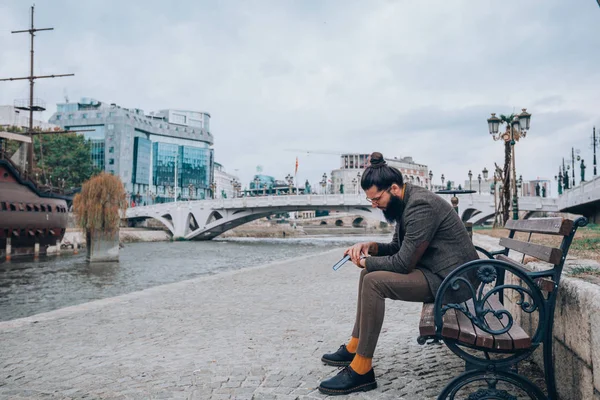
(359, 222)
(339, 222)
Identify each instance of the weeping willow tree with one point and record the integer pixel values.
(98, 205)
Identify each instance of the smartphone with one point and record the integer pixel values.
(341, 262)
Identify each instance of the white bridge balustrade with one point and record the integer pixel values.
(206, 219)
(586, 194)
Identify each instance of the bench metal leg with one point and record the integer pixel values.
(549, 365)
(492, 379)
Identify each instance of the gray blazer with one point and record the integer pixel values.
(431, 237)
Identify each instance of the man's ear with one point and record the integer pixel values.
(395, 189)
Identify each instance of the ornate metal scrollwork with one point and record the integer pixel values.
(491, 394)
(487, 274)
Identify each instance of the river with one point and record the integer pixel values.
(29, 287)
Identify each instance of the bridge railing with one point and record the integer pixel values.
(586, 192)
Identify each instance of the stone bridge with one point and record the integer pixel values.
(206, 219)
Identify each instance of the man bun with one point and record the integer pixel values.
(380, 174)
(377, 160)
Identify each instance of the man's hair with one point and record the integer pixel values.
(380, 174)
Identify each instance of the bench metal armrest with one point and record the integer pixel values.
(490, 254)
(487, 272)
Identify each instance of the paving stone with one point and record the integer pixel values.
(256, 333)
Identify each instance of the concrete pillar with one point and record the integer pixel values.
(36, 249)
(8, 248)
(57, 245)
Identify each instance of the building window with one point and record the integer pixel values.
(111, 149)
(111, 161)
(84, 115)
(98, 115)
(70, 116)
(58, 117)
(110, 127)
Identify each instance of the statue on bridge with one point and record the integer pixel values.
(544, 190)
(582, 166)
(537, 189)
(306, 187)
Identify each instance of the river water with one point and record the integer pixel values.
(30, 287)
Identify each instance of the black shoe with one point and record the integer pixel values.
(347, 381)
(341, 358)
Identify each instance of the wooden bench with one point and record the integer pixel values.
(483, 332)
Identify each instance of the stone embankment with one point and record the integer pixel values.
(576, 327)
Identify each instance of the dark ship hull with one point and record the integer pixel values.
(30, 220)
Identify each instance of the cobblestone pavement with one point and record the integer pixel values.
(256, 333)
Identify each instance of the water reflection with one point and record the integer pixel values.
(29, 286)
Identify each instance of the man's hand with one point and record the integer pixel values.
(356, 251)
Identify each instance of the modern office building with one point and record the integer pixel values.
(346, 179)
(159, 156)
(224, 182)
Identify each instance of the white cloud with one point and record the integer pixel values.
(405, 78)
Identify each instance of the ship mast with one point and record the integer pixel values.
(32, 105)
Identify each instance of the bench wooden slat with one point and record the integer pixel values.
(550, 226)
(545, 284)
(450, 327)
(484, 339)
(467, 331)
(520, 338)
(503, 341)
(427, 323)
(544, 253)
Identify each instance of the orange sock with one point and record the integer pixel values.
(352, 345)
(361, 365)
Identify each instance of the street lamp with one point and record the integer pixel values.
(354, 181)
(290, 180)
(430, 180)
(520, 183)
(443, 178)
(213, 188)
(572, 160)
(470, 179)
(485, 173)
(479, 179)
(517, 127)
(324, 183)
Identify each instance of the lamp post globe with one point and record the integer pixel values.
(493, 124)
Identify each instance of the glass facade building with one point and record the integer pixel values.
(158, 156)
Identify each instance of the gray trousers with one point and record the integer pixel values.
(373, 288)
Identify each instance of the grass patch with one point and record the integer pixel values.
(588, 243)
(584, 271)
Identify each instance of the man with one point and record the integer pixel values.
(429, 242)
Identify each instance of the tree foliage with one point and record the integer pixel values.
(98, 205)
(60, 156)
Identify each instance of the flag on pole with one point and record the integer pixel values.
(296, 171)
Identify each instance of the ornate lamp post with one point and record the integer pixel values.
(572, 161)
(443, 178)
(324, 183)
(256, 181)
(519, 125)
(479, 180)
(470, 179)
(354, 181)
(558, 178)
(430, 180)
(290, 180)
(594, 145)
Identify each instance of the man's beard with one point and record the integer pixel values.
(394, 209)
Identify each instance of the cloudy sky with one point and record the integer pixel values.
(407, 78)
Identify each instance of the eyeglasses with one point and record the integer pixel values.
(376, 199)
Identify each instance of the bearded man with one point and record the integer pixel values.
(430, 241)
